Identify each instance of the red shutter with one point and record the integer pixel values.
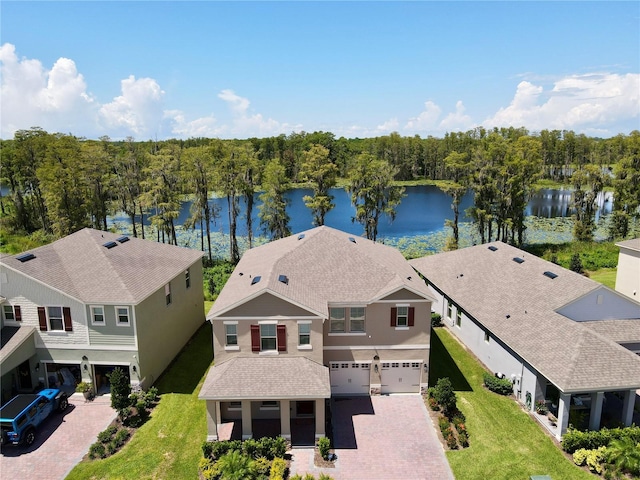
(255, 338)
(394, 316)
(412, 314)
(282, 338)
(68, 325)
(42, 318)
(17, 313)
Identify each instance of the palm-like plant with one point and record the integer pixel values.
(235, 466)
(624, 455)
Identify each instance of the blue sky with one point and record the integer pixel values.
(358, 69)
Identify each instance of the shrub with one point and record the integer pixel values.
(251, 447)
(580, 456)
(458, 417)
(444, 424)
(262, 466)
(436, 320)
(445, 396)
(208, 469)
(502, 386)
(433, 404)
(97, 450)
(121, 437)
(452, 443)
(297, 476)
(120, 389)
(324, 476)
(576, 263)
(541, 407)
(105, 435)
(278, 469)
(111, 448)
(463, 438)
(576, 439)
(595, 459)
(324, 444)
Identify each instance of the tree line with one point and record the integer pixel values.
(59, 183)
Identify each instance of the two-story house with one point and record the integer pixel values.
(79, 307)
(314, 315)
(628, 272)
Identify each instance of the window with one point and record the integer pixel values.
(269, 405)
(449, 310)
(304, 334)
(187, 278)
(458, 317)
(235, 405)
(356, 319)
(122, 314)
(167, 293)
(97, 315)
(402, 318)
(8, 312)
(486, 337)
(268, 336)
(337, 319)
(231, 334)
(55, 318)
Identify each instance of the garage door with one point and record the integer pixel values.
(349, 378)
(401, 377)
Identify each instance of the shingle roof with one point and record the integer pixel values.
(633, 244)
(322, 265)
(266, 378)
(518, 304)
(81, 267)
(618, 330)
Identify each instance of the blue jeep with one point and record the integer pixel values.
(20, 417)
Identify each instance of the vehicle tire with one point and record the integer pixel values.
(64, 403)
(4, 438)
(29, 437)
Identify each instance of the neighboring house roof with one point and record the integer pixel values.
(518, 304)
(11, 339)
(618, 330)
(266, 378)
(633, 244)
(321, 266)
(80, 266)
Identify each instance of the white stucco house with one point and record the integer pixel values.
(559, 336)
(628, 272)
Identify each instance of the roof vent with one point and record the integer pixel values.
(110, 244)
(255, 279)
(123, 239)
(492, 248)
(551, 275)
(351, 239)
(518, 260)
(25, 257)
(408, 278)
(284, 279)
(301, 236)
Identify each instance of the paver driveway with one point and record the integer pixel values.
(61, 441)
(381, 438)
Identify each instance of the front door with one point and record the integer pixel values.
(24, 376)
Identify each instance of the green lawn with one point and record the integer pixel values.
(168, 445)
(505, 443)
(605, 276)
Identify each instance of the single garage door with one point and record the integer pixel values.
(349, 378)
(401, 377)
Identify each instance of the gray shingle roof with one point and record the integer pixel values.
(633, 244)
(323, 265)
(489, 285)
(81, 267)
(266, 378)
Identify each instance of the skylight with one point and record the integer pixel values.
(492, 248)
(551, 275)
(284, 279)
(301, 236)
(110, 244)
(351, 239)
(518, 260)
(25, 257)
(123, 239)
(255, 280)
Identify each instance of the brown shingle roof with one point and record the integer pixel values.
(266, 378)
(322, 265)
(80, 266)
(490, 286)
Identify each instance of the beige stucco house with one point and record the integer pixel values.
(628, 272)
(92, 301)
(560, 337)
(314, 315)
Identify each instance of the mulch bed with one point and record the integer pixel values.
(320, 462)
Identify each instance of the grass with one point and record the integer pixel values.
(505, 442)
(168, 445)
(605, 276)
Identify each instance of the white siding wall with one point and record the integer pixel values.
(601, 304)
(628, 273)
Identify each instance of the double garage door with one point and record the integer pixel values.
(352, 378)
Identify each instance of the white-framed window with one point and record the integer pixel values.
(269, 405)
(336, 319)
(486, 337)
(8, 312)
(458, 317)
(235, 406)
(167, 293)
(122, 316)
(54, 316)
(402, 317)
(449, 310)
(97, 315)
(187, 277)
(356, 319)
(231, 334)
(304, 334)
(268, 339)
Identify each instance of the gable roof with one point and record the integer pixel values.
(633, 244)
(322, 265)
(80, 266)
(517, 302)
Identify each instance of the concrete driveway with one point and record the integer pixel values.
(61, 441)
(381, 438)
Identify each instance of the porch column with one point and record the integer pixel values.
(320, 418)
(212, 420)
(596, 410)
(247, 431)
(563, 414)
(285, 419)
(627, 407)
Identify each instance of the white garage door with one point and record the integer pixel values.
(401, 377)
(349, 378)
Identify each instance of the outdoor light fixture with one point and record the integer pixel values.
(375, 368)
(86, 367)
(85, 358)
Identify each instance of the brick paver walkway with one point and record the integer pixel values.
(61, 441)
(381, 438)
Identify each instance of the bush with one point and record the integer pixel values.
(97, 450)
(105, 435)
(324, 476)
(501, 386)
(262, 466)
(576, 263)
(433, 404)
(208, 469)
(541, 407)
(445, 396)
(324, 444)
(595, 458)
(120, 389)
(463, 438)
(580, 456)
(452, 443)
(436, 320)
(443, 424)
(121, 437)
(278, 469)
(576, 439)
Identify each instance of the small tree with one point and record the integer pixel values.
(445, 396)
(120, 389)
(576, 263)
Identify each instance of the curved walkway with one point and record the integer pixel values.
(381, 438)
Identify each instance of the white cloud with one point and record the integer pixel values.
(390, 125)
(427, 120)
(456, 121)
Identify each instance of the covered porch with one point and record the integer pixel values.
(18, 361)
